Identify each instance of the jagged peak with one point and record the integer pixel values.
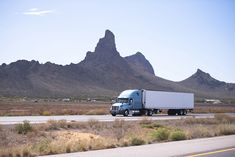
(204, 78)
(107, 44)
(201, 73)
(139, 54)
(109, 34)
(23, 61)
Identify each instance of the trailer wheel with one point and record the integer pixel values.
(185, 112)
(171, 112)
(142, 112)
(126, 113)
(150, 112)
(181, 112)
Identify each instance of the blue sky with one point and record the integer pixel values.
(176, 36)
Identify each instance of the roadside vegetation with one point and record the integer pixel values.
(55, 137)
(52, 107)
(49, 107)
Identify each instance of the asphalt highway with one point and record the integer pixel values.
(102, 118)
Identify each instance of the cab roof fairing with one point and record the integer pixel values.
(127, 93)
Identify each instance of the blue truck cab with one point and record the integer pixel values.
(128, 100)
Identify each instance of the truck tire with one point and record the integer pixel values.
(126, 113)
(185, 112)
(149, 112)
(171, 112)
(180, 112)
(142, 112)
(114, 114)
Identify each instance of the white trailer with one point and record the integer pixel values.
(167, 100)
(174, 102)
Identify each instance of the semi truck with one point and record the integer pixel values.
(147, 102)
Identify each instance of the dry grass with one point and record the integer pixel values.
(214, 108)
(47, 108)
(61, 136)
(20, 107)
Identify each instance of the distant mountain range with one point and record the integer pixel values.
(102, 73)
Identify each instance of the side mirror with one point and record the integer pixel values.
(113, 101)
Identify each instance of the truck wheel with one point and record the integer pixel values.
(171, 112)
(181, 112)
(113, 114)
(150, 113)
(126, 113)
(142, 112)
(185, 112)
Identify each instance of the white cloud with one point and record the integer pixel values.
(33, 9)
(37, 12)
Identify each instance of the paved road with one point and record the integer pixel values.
(43, 119)
(180, 148)
(226, 152)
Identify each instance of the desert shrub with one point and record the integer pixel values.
(18, 155)
(23, 128)
(43, 146)
(177, 135)
(223, 118)
(26, 153)
(146, 121)
(199, 131)
(46, 113)
(92, 123)
(52, 125)
(119, 128)
(10, 155)
(68, 149)
(118, 123)
(78, 125)
(62, 123)
(137, 141)
(161, 134)
(225, 129)
(6, 155)
(152, 126)
(96, 112)
(192, 121)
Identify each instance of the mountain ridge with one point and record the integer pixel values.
(103, 72)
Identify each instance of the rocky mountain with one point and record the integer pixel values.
(203, 82)
(138, 61)
(103, 72)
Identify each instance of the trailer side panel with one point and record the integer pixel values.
(168, 100)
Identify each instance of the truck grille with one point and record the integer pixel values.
(114, 107)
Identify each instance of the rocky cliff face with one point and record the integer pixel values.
(105, 56)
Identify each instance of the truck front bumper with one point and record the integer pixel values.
(115, 112)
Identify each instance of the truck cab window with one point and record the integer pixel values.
(122, 100)
(131, 101)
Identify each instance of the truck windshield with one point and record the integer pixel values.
(122, 100)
